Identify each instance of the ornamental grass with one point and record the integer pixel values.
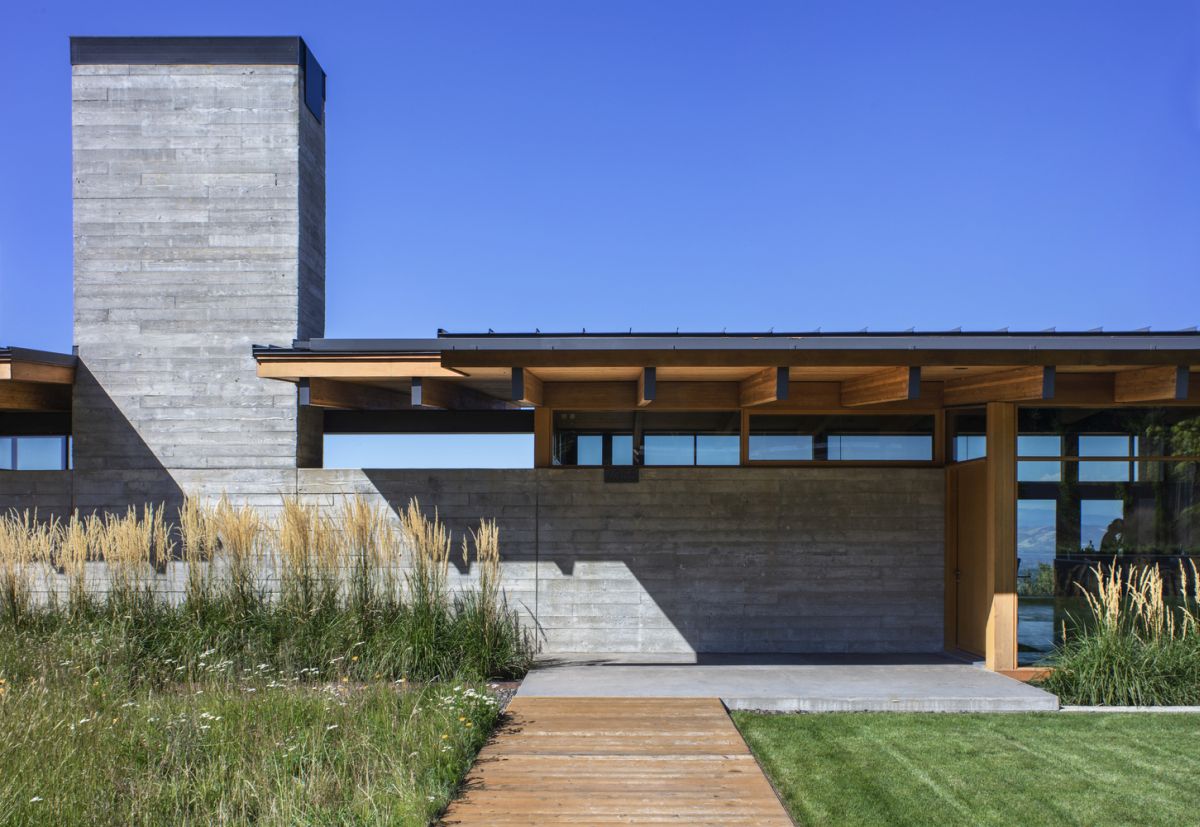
(1136, 646)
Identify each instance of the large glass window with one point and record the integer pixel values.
(841, 438)
(647, 438)
(967, 428)
(1099, 487)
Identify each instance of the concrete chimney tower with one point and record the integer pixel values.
(199, 219)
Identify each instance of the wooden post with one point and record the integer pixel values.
(543, 432)
(1001, 641)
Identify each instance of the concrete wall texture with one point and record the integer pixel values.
(686, 560)
(199, 230)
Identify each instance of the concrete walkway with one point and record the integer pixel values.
(609, 761)
(796, 683)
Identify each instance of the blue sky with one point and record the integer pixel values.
(698, 165)
(607, 165)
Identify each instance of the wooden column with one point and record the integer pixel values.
(1001, 641)
(543, 433)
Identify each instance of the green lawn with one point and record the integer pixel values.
(1047, 768)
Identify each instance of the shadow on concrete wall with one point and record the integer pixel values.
(114, 467)
(698, 560)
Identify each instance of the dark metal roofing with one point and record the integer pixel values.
(1184, 340)
(286, 51)
(45, 356)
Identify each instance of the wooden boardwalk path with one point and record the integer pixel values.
(608, 761)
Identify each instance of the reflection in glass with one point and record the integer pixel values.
(781, 447)
(969, 446)
(1029, 445)
(590, 448)
(670, 449)
(40, 453)
(718, 449)
(622, 449)
(1069, 525)
(6, 453)
(886, 447)
(1039, 471)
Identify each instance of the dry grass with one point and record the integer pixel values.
(305, 586)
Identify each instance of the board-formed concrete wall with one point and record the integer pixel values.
(686, 560)
(199, 231)
(700, 560)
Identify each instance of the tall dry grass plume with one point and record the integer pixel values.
(133, 549)
(198, 537)
(367, 541)
(1134, 601)
(25, 547)
(78, 544)
(307, 561)
(239, 534)
(428, 541)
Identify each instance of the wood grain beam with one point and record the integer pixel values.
(1168, 383)
(1019, 385)
(647, 386)
(351, 367)
(330, 393)
(902, 384)
(28, 370)
(452, 396)
(527, 389)
(622, 396)
(34, 396)
(769, 385)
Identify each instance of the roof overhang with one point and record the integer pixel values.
(722, 370)
(35, 380)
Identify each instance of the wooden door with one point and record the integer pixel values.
(966, 558)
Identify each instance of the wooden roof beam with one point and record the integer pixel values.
(293, 368)
(527, 390)
(328, 393)
(452, 396)
(1030, 384)
(769, 385)
(647, 386)
(901, 384)
(34, 396)
(1168, 383)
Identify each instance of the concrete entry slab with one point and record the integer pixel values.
(794, 683)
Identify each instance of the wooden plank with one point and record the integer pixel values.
(34, 396)
(357, 367)
(16, 369)
(599, 761)
(1001, 523)
(527, 389)
(1020, 385)
(1168, 383)
(967, 559)
(331, 393)
(768, 385)
(902, 384)
(647, 382)
(438, 393)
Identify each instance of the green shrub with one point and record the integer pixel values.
(1136, 647)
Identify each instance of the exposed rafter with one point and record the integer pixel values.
(1018, 385)
(526, 388)
(647, 386)
(329, 393)
(902, 384)
(438, 393)
(769, 385)
(1168, 383)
